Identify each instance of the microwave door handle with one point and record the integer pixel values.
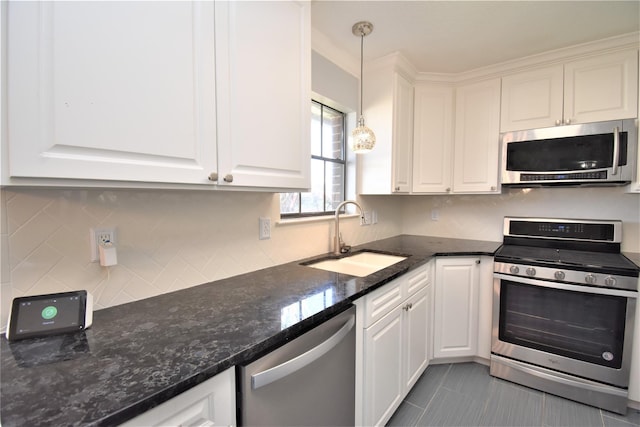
(616, 150)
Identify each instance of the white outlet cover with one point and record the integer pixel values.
(93, 239)
(264, 231)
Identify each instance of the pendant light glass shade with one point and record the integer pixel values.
(362, 138)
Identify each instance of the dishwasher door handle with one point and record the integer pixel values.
(287, 368)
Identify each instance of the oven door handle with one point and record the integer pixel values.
(568, 287)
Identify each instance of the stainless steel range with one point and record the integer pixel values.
(564, 302)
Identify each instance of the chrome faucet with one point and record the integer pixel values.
(339, 247)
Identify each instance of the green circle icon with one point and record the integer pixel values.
(49, 312)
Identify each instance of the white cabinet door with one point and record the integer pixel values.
(532, 99)
(388, 111)
(433, 139)
(456, 307)
(264, 93)
(601, 88)
(112, 90)
(402, 134)
(417, 337)
(477, 134)
(207, 404)
(383, 383)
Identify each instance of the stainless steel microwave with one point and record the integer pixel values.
(602, 153)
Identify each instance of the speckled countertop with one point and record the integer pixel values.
(138, 355)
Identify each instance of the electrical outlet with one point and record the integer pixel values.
(435, 214)
(374, 217)
(98, 236)
(367, 218)
(264, 231)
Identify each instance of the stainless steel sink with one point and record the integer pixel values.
(360, 264)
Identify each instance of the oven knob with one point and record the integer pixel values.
(514, 269)
(610, 281)
(590, 279)
(531, 271)
(559, 275)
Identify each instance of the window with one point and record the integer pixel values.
(328, 166)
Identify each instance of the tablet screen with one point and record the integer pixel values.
(47, 315)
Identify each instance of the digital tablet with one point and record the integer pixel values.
(51, 314)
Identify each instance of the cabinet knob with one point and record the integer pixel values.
(567, 121)
(493, 188)
(228, 178)
(407, 307)
(397, 189)
(213, 176)
(477, 261)
(558, 122)
(448, 190)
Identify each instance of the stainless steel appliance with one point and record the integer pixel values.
(584, 154)
(309, 381)
(564, 301)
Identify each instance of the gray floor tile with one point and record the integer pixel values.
(632, 418)
(449, 408)
(559, 412)
(427, 385)
(471, 379)
(512, 405)
(406, 416)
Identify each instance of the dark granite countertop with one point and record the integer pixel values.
(138, 355)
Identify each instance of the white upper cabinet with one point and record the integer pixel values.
(456, 148)
(476, 138)
(433, 139)
(111, 90)
(598, 88)
(263, 69)
(159, 92)
(388, 111)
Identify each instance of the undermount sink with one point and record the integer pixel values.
(361, 264)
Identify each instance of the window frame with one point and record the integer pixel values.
(342, 161)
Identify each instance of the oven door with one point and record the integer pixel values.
(579, 330)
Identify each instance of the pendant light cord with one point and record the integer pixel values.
(361, 66)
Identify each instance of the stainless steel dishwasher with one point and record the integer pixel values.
(309, 381)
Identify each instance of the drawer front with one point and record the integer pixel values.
(384, 299)
(417, 279)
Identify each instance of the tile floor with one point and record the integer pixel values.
(464, 394)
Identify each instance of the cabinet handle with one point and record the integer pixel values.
(213, 176)
(397, 189)
(558, 122)
(477, 261)
(567, 121)
(493, 188)
(448, 190)
(228, 178)
(408, 307)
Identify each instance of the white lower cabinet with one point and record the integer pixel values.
(207, 404)
(455, 331)
(395, 344)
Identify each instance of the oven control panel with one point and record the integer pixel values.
(567, 276)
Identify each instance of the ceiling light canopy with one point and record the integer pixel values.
(362, 138)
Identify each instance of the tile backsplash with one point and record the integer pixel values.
(169, 240)
(165, 240)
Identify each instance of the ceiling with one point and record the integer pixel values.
(458, 36)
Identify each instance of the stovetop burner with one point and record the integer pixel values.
(609, 263)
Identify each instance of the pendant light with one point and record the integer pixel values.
(362, 138)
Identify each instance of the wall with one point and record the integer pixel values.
(166, 240)
(480, 217)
